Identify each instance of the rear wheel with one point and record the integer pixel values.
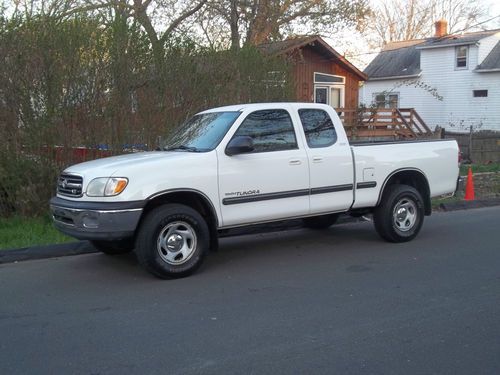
(400, 215)
(172, 241)
(114, 247)
(320, 222)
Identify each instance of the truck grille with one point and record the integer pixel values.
(70, 185)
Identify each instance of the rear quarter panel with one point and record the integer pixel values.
(437, 160)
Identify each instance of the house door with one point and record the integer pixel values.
(335, 97)
(331, 95)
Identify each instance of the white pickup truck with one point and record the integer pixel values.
(246, 164)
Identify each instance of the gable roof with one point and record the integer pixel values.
(457, 39)
(492, 61)
(401, 59)
(397, 60)
(287, 46)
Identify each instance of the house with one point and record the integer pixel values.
(320, 73)
(451, 80)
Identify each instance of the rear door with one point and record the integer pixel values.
(272, 182)
(330, 162)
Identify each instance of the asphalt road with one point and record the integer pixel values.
(339, 301)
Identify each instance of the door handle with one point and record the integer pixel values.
(317, 159)
(295, 162)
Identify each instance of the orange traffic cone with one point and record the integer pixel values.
(469, 187)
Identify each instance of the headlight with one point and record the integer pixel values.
(106, 186)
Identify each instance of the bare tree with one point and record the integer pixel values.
(256, 21)
(396, 20)
(158, 18)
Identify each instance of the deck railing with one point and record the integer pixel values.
(394, 123)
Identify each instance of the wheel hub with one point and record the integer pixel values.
(174, 242)
(405, 215)
(401, 214)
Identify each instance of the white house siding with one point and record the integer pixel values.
(458, 109)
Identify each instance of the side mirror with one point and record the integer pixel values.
(239, 145)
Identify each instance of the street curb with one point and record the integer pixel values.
(46, 251)
(465, 205)
(85, 247)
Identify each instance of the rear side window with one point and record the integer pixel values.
(318, 127)
(271, 130)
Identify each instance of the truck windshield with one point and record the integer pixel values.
(201, 132)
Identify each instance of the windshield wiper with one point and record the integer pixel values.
(183, 148)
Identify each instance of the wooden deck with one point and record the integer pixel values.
(396, 123)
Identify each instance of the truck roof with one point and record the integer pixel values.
(258, 106)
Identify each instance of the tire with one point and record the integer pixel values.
(400, 215)
(172, 241)
(114, 247)
(320, 222)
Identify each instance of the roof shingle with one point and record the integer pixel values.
(400, 62)
(492, 61)
(402, 58)
(457, 39)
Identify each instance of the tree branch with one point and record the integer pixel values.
(180, 19)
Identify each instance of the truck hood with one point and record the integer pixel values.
(119, 165)
(149, 173)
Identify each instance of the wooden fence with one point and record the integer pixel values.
(478, 147)
(386, 123)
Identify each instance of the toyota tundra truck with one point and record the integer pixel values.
(242, 165)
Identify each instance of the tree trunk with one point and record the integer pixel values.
(235, 33)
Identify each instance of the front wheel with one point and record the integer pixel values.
(172, 241)
(400, 215)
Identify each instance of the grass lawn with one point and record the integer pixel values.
(478, 168)
(17, 232)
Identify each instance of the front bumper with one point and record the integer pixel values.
(96, 220)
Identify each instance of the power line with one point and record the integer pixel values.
(426, 40)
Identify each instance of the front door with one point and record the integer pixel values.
(332, 95)
(272, 182)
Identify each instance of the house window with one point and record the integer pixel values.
(480, 93)
(328, 78)
(461, 53)
(393, 100)
(321, 95)
(386, 100)
(329, 89)
(380, 100)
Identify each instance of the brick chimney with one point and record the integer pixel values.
(441, 28)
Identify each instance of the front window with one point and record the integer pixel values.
(461, 57)
(201, 132)
(270, 130)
